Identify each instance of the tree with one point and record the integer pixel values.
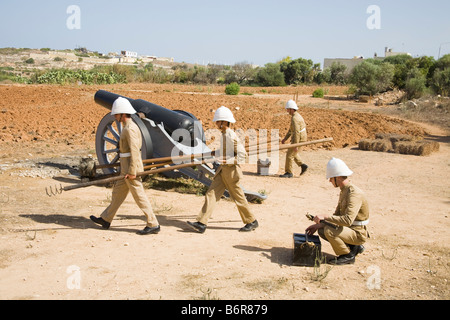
(299, 71)
(440, 81)
(415, 84)
(270, 76)
(336, 74)
(370, 78)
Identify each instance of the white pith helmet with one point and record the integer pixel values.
(122, 105)
(224, 114)
(337, 168)
(291, 105)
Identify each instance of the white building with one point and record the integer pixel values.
(129, 54)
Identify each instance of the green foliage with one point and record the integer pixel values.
(5, 75)
(370, 78)
(415, 84)
(64, 76)
(232, 89)
(336, 74)
(441, 82)
(318, 93)
(270, 76)
(299, 71)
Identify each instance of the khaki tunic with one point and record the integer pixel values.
(130, 142)
(297, 132)
(227, 177)
(352, 208)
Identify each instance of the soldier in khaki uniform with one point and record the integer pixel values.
(227, 176)
(297, 133)
(130, 144)
(351, 215)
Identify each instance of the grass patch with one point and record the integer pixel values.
(268, 285)
(180, 185)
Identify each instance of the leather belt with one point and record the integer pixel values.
(125, 155)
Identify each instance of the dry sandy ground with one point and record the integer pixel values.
(48, 243)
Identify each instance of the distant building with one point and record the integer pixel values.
(389, 53)
(129, 54)
(349, 63)
(353, 62)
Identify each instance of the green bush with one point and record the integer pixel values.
(415, 84)
(318, 93)
(441, 82)
(232, 89)
(65, 76)
(270, 76)
(370, 78)
(336, 74)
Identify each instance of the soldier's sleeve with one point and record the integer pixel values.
(290, 131)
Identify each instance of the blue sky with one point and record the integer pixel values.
(227, 32)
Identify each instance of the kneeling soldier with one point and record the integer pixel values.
(351, 215)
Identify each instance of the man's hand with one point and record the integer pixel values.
(313, 228)
(130, 176)
(317, 219)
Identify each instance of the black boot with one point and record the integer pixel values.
(348, 258)
(197, 226)
(356, 249)
(286, 175)
(249, 226)
(101, 222)
(304, 168)
(149, 230)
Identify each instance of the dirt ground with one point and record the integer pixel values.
(47, 244)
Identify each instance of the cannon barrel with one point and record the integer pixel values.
(171, 120)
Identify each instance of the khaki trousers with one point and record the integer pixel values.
(291, 157)
(227, 178)
(342, 236)
(119, 194)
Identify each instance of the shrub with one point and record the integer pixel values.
(336, 74)
(318, 93)
(370, 78)
(441, 82)
(232, 89)
(415, 84)
(64, 76)
(270, 76)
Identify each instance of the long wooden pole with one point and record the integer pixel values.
(170, 160)
(250, 149)
(290, 146)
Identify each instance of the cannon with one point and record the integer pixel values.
(165, 133)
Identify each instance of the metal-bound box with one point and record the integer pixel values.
(263, 167)
(307, 250)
